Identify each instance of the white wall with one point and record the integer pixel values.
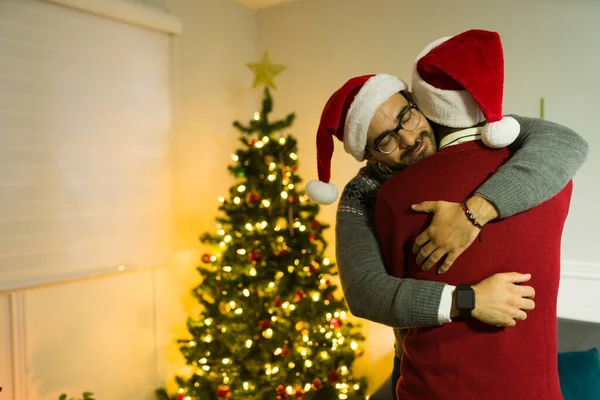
(550, 50)
(114, 335)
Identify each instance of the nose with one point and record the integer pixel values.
(408, 138)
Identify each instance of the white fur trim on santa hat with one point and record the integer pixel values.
(452, 108)
(376, 91)
(321, 192)
(500, 133)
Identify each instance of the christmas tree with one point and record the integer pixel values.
(271, 326)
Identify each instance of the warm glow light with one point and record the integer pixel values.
(241, 252)
(308, 363)
(293, 156)
(227, 268)
(354, 346)
(253, 272)
(259, 145)
(248, 343)
(282, 140)
(256, 115)
(221, 199)
(284, 195)
(237, 200)
(235, 157)
(271, 177)
(271, 285)
(277, 352)
(302, 228)
(208, 321)
(316, 296)
(291, 365)
(246, 293)
(326, 261)
(290, 269)
(268, 334)
(203, 361)
(227, 239)
(249, 226)
(226, 361)
(208, 339)
(266, 203)
(265, 139)
(239, 311)
(241, 188)
(246, 385)
(290, 186)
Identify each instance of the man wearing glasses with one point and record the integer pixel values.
(395, 139)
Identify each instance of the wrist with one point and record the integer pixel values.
(482, 209)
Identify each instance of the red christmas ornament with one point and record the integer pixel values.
(300, 295)
(333, 376)
(335, 323)
(286, 352)
(315, 225)
(313, 267)
(252, 198)
(277, 302)
(329, 296)
(254, 141)
(328, 282)
(254, 256)
(299, 394)
(264, 324)
(281, 392)
(311, 237)
(294, 199)
(283, 253)
(181, 397)
(223, 392)
(295, 167)
(317, 384)
(206, 258)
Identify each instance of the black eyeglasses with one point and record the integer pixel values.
(410, 118)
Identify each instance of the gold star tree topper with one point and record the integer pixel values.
(265, 71)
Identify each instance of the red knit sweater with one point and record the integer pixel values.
(467, 359)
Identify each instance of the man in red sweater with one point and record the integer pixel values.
(467, 359)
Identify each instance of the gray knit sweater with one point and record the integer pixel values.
(546, 157)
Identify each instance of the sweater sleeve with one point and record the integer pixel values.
(369, 291)
(546, 157)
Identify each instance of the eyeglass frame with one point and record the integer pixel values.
(398, 128)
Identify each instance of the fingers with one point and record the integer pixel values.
(433, 259)
(450, 258)
(425, 252)
(420, 241)
(526, 291)
(520, 315)
(426, 206)
(516, 277)
(527, 305)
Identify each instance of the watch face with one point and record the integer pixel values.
(465, 299)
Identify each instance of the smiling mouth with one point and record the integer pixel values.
(418, 150)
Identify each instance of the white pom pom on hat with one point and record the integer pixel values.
(347, 115)
(459, 81)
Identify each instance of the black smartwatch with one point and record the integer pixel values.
(465, 300)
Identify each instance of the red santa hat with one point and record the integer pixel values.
(347, 116)
(459, 82)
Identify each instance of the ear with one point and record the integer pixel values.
(369, 155)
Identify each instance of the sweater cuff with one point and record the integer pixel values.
(506, 194)
(425, 305)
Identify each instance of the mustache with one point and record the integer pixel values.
(410, 150)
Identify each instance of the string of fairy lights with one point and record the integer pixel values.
(305, 347)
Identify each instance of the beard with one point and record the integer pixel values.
(408, 156)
